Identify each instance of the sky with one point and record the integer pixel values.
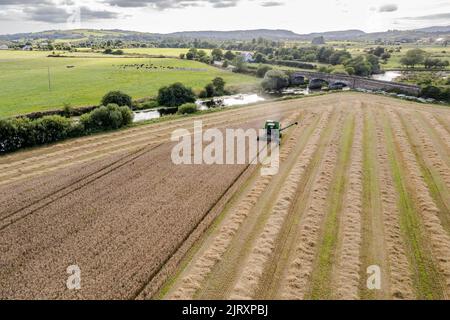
(165, 16)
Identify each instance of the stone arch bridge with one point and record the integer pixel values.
(353, 82)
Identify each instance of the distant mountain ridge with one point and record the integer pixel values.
(271, 34)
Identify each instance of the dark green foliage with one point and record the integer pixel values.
(22, 132)
(117, 97)
(107, 118)
(187, 108)
(175, 95)
(437, 93)
(294, 64)
(167, 111)
(275, 80)
(262, 70)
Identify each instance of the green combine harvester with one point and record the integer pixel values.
(273, 131)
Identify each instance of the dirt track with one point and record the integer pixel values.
(364, 180)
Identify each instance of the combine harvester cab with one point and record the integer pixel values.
(273, 131)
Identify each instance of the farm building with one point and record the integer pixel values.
(248, 56)
(4, 47)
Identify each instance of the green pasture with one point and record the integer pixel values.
(84, 79)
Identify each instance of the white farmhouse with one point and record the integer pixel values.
(248, 56)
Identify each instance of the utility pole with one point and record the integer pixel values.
(49, 80)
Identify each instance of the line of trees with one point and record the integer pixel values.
(21, 133)
(416, 57)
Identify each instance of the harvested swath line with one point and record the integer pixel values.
(444, 121)
(442, 132)
(95, 148)
(417, 247)
(143, 136)
(430, 149)
(439, 239)
(85, 142)
(348, 264)
(400, 276)
(16, 175)
(247, 284)
(203, 266)
(321, 277)
(373, 247)
(431, 157)
(295, 282)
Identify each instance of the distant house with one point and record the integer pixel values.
(4, 47)
(248, 56)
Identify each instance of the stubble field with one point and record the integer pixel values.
(364, 181)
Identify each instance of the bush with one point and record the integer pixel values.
(107, 118)
(152, 104)
(23, 132)
(67, 111)
(275, 80)
(294, 64)
(437, 93)
(187, 108)
(117, 97)
(167, 111)
(175, 95)
(262, 70)
(51, 129)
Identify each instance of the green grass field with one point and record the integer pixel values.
(168, 52)
(394, 62)
(25, 87)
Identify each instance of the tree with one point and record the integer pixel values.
(374, 62)
(339, 57)
(192, 54)
(175, 95)
(187, 108)
(378, 51)
(217, 54)
(209, 91)
(182, 56)
(275, 80)
(413, 57)
(435, 63)
(262, 70)
(239, 64)
(117, 97)
(201, 54)
(219, 86)
(359, 66)
(259, 58)
(229, 55)
(324, 54)
(385, 56)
